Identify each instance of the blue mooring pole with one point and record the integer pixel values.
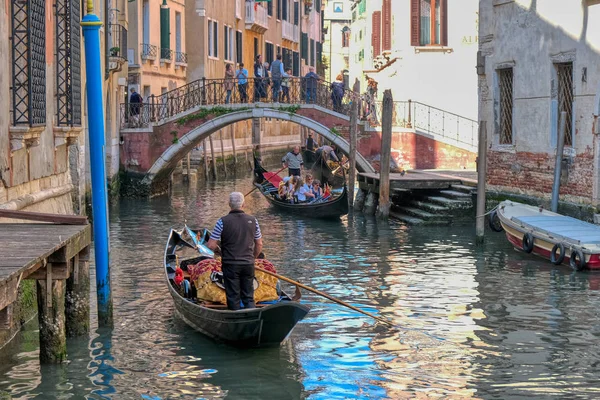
(93, 68)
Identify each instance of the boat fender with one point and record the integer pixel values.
(528, 242)
(557, 259)
(494, 222)
(577, 261)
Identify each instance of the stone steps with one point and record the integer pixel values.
(422, 214)
(430, 207)
(456, 195)
(463, 189)
(417, 216)
(451, 204)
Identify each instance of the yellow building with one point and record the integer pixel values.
(156, 46)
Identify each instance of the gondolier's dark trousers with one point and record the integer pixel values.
(294, 171)
(239, 285)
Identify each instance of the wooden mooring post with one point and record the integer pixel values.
(353, 144)
(481, 174)
(232, 133)
(205, 159)
(386, 147)
(212, 157)
(223, 152)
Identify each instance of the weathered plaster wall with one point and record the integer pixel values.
(531, 36)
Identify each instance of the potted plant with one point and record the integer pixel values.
(114, 51)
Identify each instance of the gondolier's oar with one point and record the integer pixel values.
(293, 282)
(256, 187)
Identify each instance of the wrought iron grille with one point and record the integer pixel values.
(28, 42)
(68, 67)
(149, 51)
(118, 41)
(565, 98)
(181, 57)
(166, 54)
(505, 86)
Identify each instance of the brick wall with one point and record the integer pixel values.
(533, 174)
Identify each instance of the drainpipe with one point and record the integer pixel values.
(558, 163)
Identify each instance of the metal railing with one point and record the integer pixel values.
(117, 36)
(216, 92)
(149, 51)
(256, 15)
(290, 31)
(181, 57)
(427, 119)
(166, 54)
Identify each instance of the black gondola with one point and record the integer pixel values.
(334, 208)
(264, 326)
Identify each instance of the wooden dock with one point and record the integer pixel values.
(50, 254)
(412, 180)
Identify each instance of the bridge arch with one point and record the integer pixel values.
(166, 163)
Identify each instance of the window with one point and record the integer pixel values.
(318, 5)
(284, 10)
(386, 25)
(227, 43)
(278, 51)
(270, 8)
(505, 95)
(429, 22)
(213, 38)
(376, 35)
(255, 48)
(564, 75)
(296, 13)
(279, 2)
(68, 65)
(268, 53)
(312, 52)
(346, 37)
(28, 42)
(146, 22)
(178, 32)
(305, 46)
(238, 47)
(296, 63)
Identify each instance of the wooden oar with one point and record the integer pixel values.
(293, 282)
(256, 187)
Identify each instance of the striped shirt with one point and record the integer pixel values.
(218, 230)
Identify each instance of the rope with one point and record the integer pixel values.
(489, 212)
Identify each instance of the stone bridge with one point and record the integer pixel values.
(158, 133)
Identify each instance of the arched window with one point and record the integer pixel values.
(346, 37)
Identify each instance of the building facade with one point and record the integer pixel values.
(43, 131)
(536, 60)
(336, 48)
(157, 54)
(422, 50)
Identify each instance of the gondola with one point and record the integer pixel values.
(334, 208)
(322, 171)
(265, 326)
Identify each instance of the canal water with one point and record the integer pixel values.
(472, 322)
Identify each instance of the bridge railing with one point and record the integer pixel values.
(215, 92)
(428, 119)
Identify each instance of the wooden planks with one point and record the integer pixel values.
(42, 217)
(409, 181)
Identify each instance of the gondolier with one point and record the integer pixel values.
(310, 143)
(241, 243)
(327, 153)
(293, 162)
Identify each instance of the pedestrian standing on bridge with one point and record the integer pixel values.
(228, 83)
(260, 74)
(241, 243)
(277, 74)
(242, 78)
(310, 83)
(293, 162)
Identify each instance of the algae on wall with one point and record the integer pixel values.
(24, 309)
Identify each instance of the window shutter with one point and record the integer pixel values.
(444, 22)
(376, 36)
(386, 25)
(415, 22)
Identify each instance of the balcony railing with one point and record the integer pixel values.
(149, 51)
(290, 31)
(256, 17)
(239, 6)
(166, 55)
(117, 41)
(181, 58)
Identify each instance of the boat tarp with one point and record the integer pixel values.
(567, 227)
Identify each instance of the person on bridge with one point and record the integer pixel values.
(135, 103)
(285, 86)
(310, 83)
(327, 153)
(293, 162)
(242, 78)
(277, 74)
(229, 75)
(259, 78)
(241, 243)
(337, 93)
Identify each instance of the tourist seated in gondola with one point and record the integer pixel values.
(302, 191)
(283, 189)
(316, 189)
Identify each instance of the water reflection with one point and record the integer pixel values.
(474, 322)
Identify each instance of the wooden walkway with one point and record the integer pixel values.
(37, 251)
(412, 180)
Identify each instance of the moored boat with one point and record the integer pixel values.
(267, 184)
(561, 239)
(265, 326)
